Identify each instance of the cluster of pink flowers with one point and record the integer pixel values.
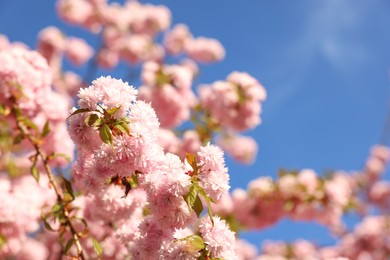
(164, 178)
(168, 88)
(235, 103)
(302, 196)
(241, 148)
(180, 40)
(369, 240)
(21, 205)
(26, 78)
(52, 43)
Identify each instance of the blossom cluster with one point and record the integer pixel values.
(305, 196)
(115, 136)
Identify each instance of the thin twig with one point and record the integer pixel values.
(57, 189)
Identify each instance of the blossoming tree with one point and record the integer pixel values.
(105, 170)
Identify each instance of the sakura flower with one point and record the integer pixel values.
(78, 51)
(175, 40)
(168, 88)
(241, 148)
(219, 240)
(213, 173)
(205, 50)
(235, 103)
(51, 42)
(110, 93)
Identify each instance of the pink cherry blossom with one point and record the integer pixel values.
(77, 50)
(219, 240)
(241, 148)
(213, 173)
(175, 40)
(205, 50)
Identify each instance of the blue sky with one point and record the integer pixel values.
(325, 65)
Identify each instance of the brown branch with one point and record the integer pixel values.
(60, 195)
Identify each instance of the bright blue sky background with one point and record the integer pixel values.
(325, 65)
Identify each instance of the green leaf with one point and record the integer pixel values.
(4, 111)
(198, 206)
(133, 181)
(68, 245)
(18, 112)
(162, 78)
(79, 111)
(47, 226)
(18, 138)
(191, 159)
(127, 185)
(93, 120)
(202, 192)
(28, 123)
(56, 210)
(97, 247)
(34, 171)
(203, 256)
(288, 205)
(68, 197)
(68, 187)
(196, 242)
(105, 134)
(123, 128)
(12, 168)
(190, 197)
(3, 241)
(46, 129)
(113, 110)
(65, 156)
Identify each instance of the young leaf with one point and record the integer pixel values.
(122, 128)
(288, 205)
(196, 242)
(197, 206)
(127, 185)
(34, 171)
(56, 210)
(134, 181)
(46, 129)
(66, 157)
(3, 241)
(68, 187)
(203, 256)
(68, 245)
(105, 134)
(18, 112)
(97, 247)
(4, 111)
(28, 123)
(18, 138)
(79, 111)
(68, 197)
(191, 159)
(93, 120)
(190, 197)
(203, 192)
(113, 110)
(47, 226)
